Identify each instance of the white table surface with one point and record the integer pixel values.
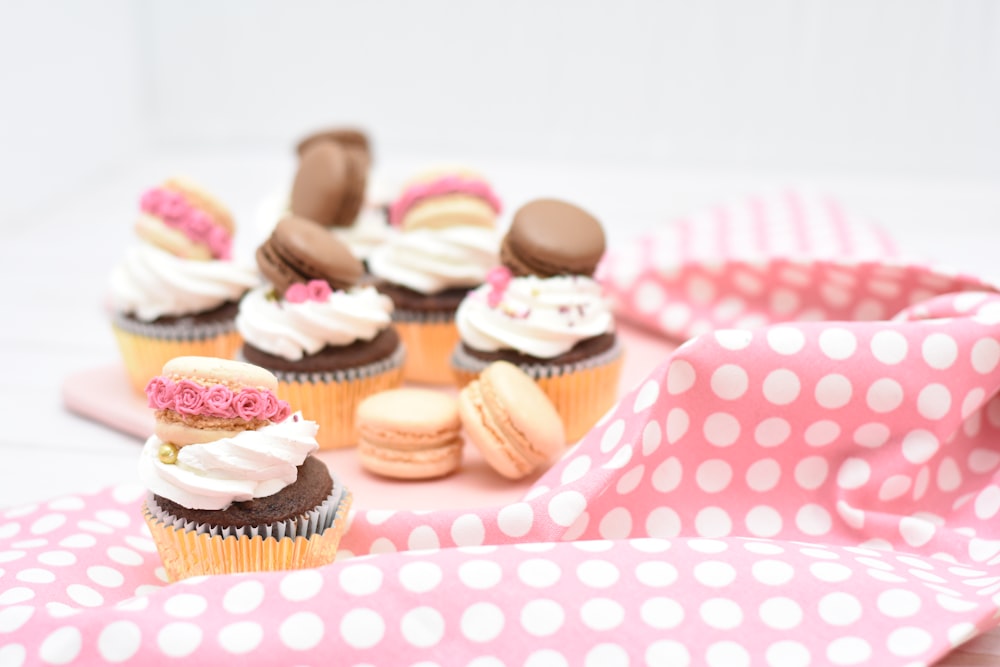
(55, 267)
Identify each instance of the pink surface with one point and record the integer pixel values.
(798, 493)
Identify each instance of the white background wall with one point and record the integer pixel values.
(868, 89)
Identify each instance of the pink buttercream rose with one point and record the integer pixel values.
(160, 393)
(319, 290)
(173, 205)
(249, 403)
(197, 224)
(218, 401)
(150, 200)
(189, 397)
(219, 242)
(282, 412)
(297, 293)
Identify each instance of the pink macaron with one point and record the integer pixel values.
(511, 420)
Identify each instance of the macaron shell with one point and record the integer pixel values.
(202, 200)
(553, 237)
(486, 435)
(449, 211)
(156, 232)
(413, 464)
(211, 371)
(347, 136)
(329, 184)
(299, 250)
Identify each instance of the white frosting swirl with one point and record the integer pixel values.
(368, 232)
(541, 317)
(294, 330)
(432, 260)
(151, 283)
(251, 464)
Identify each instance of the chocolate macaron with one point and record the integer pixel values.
(329, 186)
(347, 136)
(299, 250)
(548, 237)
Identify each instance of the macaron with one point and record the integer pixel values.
(299, 250)
(163, 221)
(347, 136)
(439, 198)
(203, 399)
(409, 433)
(548, 237)
(329, 186)
(511, 420)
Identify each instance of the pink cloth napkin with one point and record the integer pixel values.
(795, 493)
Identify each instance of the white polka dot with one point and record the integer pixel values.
(12, 555)
(663, 522)
(700, 289)
(872, 435)
(515, 520)
(95, 527)
(713, 522)
(13, 655)
(822, 433)
(542, 617)
(649, 296)
(813, 519)
(616, 524)
(621, 458)
(35, 575)
(575, 469)
(721, 613)
(12, 618)
(116, 518)
(884, 395)
(772, 432)
(468, 530)
(939, 351)
(423, 627)
(733, 339)
(985, 355)
(422, 538)
(833, 391)
(677, 424)
(416, 577)
(630, 481)
(480, 574)
(667, 475)
(564, 508)
(656, 574)
(837, 343)
(124, 556)
(972, 401)
(597, 573)
(788, 653)
(987, 502)
(378, 517)
(727, 654)
(780, 613)
(763, 521)
(894, 486)
(185, 605)
(651, 438)
(763, 475)
(707, 546)
(934, 401)
(919, 446)
(785, 340)
(661, 613)
(898, 603)
(301, 631)
(667, 652)
(831, 573)
(848, 651)
(781, 387)
(853, 473)
(242, 637)
(606, 654)
(105, 576)
(482, 622)
(545, 658)
(675, 317)
(772, 572)
(811, 472)
(362, 628)
(119, 641)
(179, 640)
(889, 347)
(721, 429)
(138, 543)
(680, 377)
(61, 646)
(839, 608)
(243, 598)
(714, 573)
(983, 460)
(909, 642)
(714, 475)
(85, 596)
(602, 614)
(613, 435)
(47, 524)
(360, 579)
(784, 301)
(539, 573)
(729, 382)
(646, 397)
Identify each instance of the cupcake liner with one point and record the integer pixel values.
(331, 398)
(581, 391)
(144, 352)
(435, 339)
(189, 549)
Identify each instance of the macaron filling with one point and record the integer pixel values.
(187, 397)
(178, 213)
(445, 185)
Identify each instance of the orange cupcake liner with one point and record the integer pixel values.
(144, 356)
(581, 396)
(432, 343)
(187, 553)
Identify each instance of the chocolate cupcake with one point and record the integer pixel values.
(446, 247)
(543, 311)
(233, 485)
(177, 290)
(329, 341)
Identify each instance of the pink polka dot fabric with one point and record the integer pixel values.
(802, 493)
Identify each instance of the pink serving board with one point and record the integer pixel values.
(104, 395)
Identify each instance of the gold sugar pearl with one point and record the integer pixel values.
(167, 453)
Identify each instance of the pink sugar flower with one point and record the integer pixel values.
(218, 401)
(160, 392)
(319, 290)
(197, 223)
(282, 412)
(249, 403)
(297, 293)
(189, 397)
(498, 279)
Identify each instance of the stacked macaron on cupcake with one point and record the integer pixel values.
(543, 311)
(329, 341)
(446, 246)
(176, 291)
(232, 483)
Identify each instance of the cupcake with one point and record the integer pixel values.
(447, 245)
(177, 290)
(543, 311)
(329, 341)
(232, 483)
